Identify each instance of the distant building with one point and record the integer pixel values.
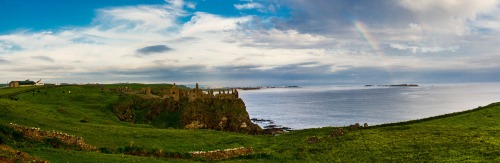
(22, 83)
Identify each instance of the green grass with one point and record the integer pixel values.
(467, 136)
(92, 157)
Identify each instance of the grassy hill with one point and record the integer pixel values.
(85, 112)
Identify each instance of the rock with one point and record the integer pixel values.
(194, 125)
(354, 127)
(274, 131)
(220, 114)
(337, 132)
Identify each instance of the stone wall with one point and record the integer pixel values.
(40, 135)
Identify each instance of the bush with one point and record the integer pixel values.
(105, 150)
(17, 135)
(256, 156)
(133, 150)
(7, 133)
(2, 139)
(84, 120)
(54, 142)
(5, 130)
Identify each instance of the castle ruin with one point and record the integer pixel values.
(198, 93)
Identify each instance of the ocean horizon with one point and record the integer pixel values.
(343, 105)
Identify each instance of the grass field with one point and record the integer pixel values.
(85, 112)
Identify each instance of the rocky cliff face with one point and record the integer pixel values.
(219, 114)
(216, 114)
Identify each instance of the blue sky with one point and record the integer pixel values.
(245, 43)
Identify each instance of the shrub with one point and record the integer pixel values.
(2, 139)
(105, 150)
(54, 142)
(17, 135)
(5, 130)
(133, 150)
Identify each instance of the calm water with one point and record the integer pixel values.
(312, 107)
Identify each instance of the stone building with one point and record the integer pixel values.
(195, 94)
(22, 83)
(174, 93)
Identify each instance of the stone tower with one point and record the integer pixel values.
(175, 92)
(195, 93)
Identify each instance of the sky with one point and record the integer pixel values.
(250, 42)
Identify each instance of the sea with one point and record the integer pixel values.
(343, 105)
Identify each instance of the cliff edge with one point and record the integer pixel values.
(185, 108)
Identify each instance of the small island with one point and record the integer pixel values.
(394, 85)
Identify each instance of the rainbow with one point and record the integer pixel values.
(361, 28)
(363, 31)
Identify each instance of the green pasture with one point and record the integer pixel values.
(85, 111)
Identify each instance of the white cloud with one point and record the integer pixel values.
(248, 6)
(191, 5)
(424, 49)
(205, 22)
(4, 48)
(413, 49)
(448, 16)
(176, 3)
(141, 18)
(439, 49)
(284, 39)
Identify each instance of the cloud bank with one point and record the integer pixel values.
(325, 42)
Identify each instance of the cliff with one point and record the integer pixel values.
(211, 113)
(219, 114)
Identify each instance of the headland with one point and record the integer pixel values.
(87, 112)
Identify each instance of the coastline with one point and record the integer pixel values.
(470, 134)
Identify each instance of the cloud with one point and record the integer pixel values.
(448, 16)
(154, 49)
(43, 58)
(176, 3)
(467, 9)
(289, 39)
(271, 8)
(142, 18)
(3, 61)
(318, 43)
(204, 22)
(191, 5)
(248, 6)
(7, 47)
(423, 49)
(327, 17)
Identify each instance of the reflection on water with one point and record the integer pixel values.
(313, 107)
